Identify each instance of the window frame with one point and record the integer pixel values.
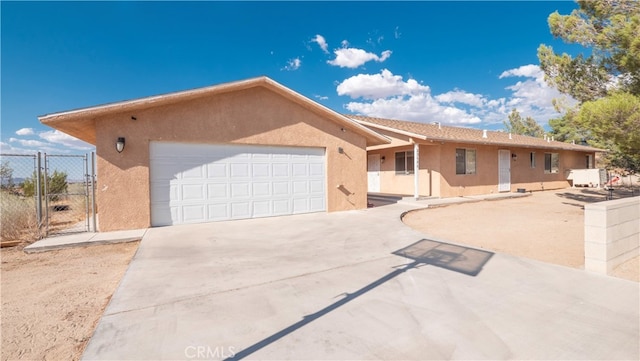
(408, 159)
(532, 159)
(469, 161)
(551, 165)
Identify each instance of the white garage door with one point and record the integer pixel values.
(192, 183)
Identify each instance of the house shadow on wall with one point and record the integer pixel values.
(465, 260)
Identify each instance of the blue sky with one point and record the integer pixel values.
(459, 63)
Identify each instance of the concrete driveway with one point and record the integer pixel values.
(355, 285)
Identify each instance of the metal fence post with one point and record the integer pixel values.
(38, 192)
(93, 190)
(46, 196)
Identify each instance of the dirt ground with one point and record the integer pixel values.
(52, 301)
(546, 226)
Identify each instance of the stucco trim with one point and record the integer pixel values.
(80, 122)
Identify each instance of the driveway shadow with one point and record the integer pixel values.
(465, 260)
(461, 259)
(585, 196)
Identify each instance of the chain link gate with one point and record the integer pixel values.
(68, 191)
(46, 194)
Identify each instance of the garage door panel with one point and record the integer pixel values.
(194, 213)
(239, 170)
(260, 170)
(218, 212)
(217, 170)
(280, 170)
(316, 170)
(196, 172)
(316, 204)
(217, 191)
(300, 187)
(240, 190)
(300, 205)
(261, 189)
(281, 207)
(193, 192)
(193, 183)
(300, 170)
(316, 187)
(262, 208)
(240, 210)
(280, 188)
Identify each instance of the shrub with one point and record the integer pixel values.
(18, 218)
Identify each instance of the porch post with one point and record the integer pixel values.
(416, 170)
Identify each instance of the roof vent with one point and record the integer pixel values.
(510, 136)
(484, 133)
(438, 124)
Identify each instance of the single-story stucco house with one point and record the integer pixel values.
(255, 148)
(245, 149)
(456, 161)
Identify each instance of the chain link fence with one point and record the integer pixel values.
(19, 215)
(45, 195)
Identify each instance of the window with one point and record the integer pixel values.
(551, 163)
(589, 161)
(532, 159)
(465, 161)
(404, 162)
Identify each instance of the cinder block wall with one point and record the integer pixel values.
(611, 233)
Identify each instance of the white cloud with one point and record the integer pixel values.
(322, 43)
(533, 96)
(396, 33)
(375, 86)
(58, 138)
(419, 108)
(527, 71)
(29, 143)
(389, 96)
(293, 64)
(321, 97)
(353, 58)
(25, 131)
(459, 96)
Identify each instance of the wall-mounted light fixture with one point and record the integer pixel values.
(340, 150)
(514, 156)
(120, 144)
(382, 159)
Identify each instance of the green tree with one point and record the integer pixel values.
(56, 185)
(615, 119)
(611, 30)
(6, 175)
(528, 126)
(606, 82)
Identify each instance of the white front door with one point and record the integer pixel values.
(192, 183)
(373, 172)
(504, 170)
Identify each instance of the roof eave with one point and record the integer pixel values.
(58, 120)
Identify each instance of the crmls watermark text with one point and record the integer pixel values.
(208, 352)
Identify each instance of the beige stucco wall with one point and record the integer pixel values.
(428, 176)
(253, 116)
(438, 178)
(485, 181)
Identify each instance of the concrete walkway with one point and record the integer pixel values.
(354, 285)
(84, 239)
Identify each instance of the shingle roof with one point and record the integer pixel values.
(467, 135)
